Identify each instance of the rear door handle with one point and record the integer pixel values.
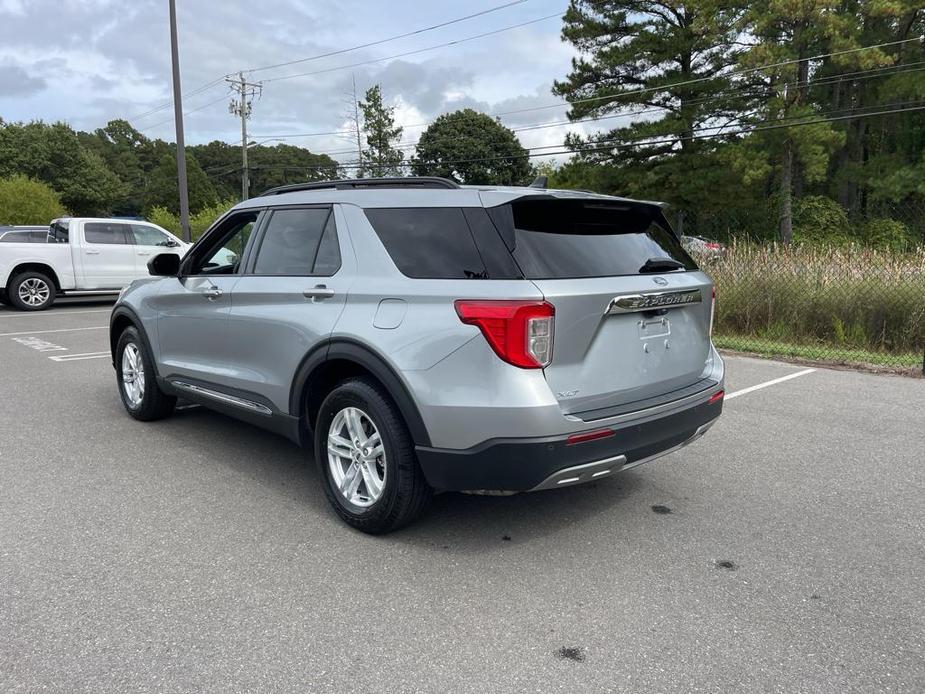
(319, 291)
(93, 252)
(212, 293)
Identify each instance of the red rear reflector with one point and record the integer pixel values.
(716, 397)
(589, 436)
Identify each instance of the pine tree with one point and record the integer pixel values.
(381, 157)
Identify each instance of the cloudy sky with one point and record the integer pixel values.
(89, 61)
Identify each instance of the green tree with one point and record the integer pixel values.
(663, 65)
(473, 148)
(54, 155)
(163, 190)
(131, 156)
(26, 201)
(381, 157)
(787, 35)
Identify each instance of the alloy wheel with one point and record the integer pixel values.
(133, 375)
(356, 457)
(34, 291)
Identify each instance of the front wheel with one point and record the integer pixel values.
(366, 458)
(31, 291)
(135, 376)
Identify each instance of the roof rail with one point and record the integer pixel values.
(356, 183)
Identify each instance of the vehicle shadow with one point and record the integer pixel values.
(458, 522)
(66, 302)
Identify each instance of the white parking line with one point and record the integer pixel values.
(45, 314)
(80, 357)
(752, 389)
(61, 330)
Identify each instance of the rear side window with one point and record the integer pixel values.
(557, 239)
(106, 233)
(429, 242)
(23, 237)
(299, 242)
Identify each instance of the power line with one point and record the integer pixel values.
(770, 125)
(379, 42)
(733, 73)
(883, 71)
(625, 114)
(219, 80)
(417, 51)
(185, 113)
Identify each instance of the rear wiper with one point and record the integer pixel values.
(661, 265)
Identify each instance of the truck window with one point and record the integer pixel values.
(108, 233)
(149, 236)
(58, 231)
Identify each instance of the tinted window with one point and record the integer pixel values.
(105, 233)
(149, 236)
(327, 261)
(575, 238)
(58, 232)
(429, 243)
(24, 236)
(291, 242)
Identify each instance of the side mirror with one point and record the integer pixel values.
(164, 265)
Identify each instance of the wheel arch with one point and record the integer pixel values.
(44, 268)
(123, 317)
(337, 359)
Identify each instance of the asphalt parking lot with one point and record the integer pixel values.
(785, 551)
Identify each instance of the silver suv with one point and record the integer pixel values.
(424, 336)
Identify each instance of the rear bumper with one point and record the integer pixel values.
(528, 464)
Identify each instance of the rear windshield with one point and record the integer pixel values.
(555, 239)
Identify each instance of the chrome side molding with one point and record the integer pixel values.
(223, 397)
(652, 301)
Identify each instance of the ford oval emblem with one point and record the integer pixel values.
(660, 281)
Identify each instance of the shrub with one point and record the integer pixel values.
(887, 234)
(198, 222)
(820, 220)
(27, 201)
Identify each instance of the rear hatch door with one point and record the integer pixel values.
(632, 310)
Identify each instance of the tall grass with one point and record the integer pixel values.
(838, 298)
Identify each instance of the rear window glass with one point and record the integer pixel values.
(575, 238)
(23, 236)
(429, 242)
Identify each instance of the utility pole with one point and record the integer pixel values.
(178, 117)
(242, 106)
(356, 123)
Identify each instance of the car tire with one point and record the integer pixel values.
(135, 377)
(3, 300)
(375, 493)
(31, 291)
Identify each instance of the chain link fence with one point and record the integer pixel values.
(848, 304)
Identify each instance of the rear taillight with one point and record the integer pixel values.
(713, 246)
(712, 310)
(520, 332)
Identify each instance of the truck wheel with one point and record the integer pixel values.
(366, 458)
(31, 291)
(135, 376)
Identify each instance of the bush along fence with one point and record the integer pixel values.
(848, 305)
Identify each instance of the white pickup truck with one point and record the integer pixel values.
(80, 256)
